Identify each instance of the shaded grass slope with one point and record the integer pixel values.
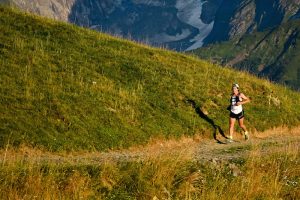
(69, 88)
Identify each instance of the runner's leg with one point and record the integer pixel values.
(242, 125)
(231, 127)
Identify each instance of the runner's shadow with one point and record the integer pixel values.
(216, 127)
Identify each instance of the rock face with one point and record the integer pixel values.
(236, 18)
(176, 24)
(56, 9)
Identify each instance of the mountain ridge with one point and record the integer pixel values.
(235, 19)
(176, 24)
(272, 53)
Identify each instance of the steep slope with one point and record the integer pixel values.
(273, 53)
(64, 87)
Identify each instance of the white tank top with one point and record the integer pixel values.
(236, 109)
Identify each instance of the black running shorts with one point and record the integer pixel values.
(237, 116)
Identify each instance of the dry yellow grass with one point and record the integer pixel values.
(168, 170)
(278, 131)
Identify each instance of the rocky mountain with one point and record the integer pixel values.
(56, 9)
(259, 37)
(236, 18)
(273, 53)
(175, 24)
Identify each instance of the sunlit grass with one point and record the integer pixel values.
(164, 176)
(65, 88)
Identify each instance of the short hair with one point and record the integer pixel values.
(235, 85)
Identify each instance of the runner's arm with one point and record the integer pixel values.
(245, 99)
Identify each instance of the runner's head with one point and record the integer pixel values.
(235, 88)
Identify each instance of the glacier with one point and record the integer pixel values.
(189, 11)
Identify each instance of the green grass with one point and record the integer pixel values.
(69, 88)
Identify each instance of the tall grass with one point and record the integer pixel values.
(260, 176)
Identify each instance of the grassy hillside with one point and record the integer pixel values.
(273, 53)
(68, 88)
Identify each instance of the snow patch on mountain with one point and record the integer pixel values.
(189, 11)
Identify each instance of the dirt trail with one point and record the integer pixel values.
(197, 149)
